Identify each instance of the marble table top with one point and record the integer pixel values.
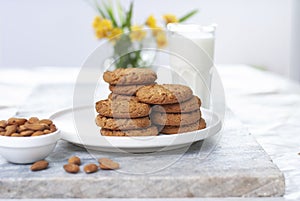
(248, 91)
(237, 166)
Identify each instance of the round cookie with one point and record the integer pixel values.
(175, 119)
(164, 94)
(122, 124)
(130, 76)
(185, 128)
(122, 108)
(113, 96)
(150, 131)
(129, 90)
(187, 106)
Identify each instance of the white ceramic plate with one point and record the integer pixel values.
(64, 120)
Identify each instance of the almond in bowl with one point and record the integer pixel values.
(27, 140)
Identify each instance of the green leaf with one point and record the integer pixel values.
(102, 13)
(120, 13)
(110, 13)
(188, 15)
(129, 16)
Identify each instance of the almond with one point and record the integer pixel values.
(36, 127)
(71, 168)
(3, 123)
(33, 120)
(38, 133)
(17, 121)
(46, 126)
(26, 133)
(22, 128)
(74, 160)
(16, 135)
(39, 165)
(10, 129)
(53, 128)
(90, 168)
(46, 121)
(108, 164)
(46, 131)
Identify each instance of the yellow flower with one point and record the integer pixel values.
(106, 24)
(96, 21)
(103, 28)
(161, 39)
(115, 33)
(170, 18)
(100, 33)
(151, 21)
(137, 33)
(156, 30)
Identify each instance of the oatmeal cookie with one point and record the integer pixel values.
(187, 106)
(113, 96)
(185, 128)
(129, 90)
(164, 94)
(175, 119)
(122, 124)
(122, 108)
(150, 131)
(130, 76)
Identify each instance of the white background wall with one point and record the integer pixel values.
(295, 41)
(59, 32)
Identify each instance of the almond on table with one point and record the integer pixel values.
(71, 168)
(39, 165)
(74, 160)
(90, 168)
(108, 164)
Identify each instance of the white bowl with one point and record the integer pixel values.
(28, 149)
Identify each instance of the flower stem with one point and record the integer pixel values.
(188, 15)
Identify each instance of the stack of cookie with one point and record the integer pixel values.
(175, 109)
(121, 114)
(123, 83)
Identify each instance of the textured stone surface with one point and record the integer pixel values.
(237, 166)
